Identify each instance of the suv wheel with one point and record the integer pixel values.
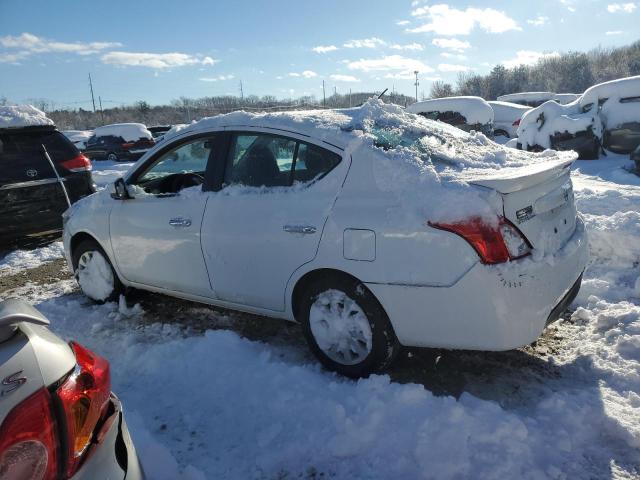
(112, 156)
(346, 327)
(94, 273)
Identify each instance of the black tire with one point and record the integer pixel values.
(92, 246)
(112, 157)
(384, 344)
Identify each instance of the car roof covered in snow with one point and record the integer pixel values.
(526, 97)
(17, 116)
(130, 132)
(620, 88)
(475, 109)
(564, 98)
(496, 104)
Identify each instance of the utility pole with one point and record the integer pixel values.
(335, 91)
(349, 98)
(93, 100)
(324, 96)
(101, 111)
(416, 84)
(241, 92)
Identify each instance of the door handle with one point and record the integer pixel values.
(304, 229)
(180, 222)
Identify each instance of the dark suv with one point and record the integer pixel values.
(119, 142)
(31, 197)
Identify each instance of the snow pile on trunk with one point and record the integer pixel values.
(130, 132)
(614, 112)
(22, 116)
(19, 260)
(474, 109)
(527, 97)
(538, 125)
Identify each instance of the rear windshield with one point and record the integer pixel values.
(23, 150)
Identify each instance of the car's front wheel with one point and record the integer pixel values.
(346, 327)
(112, 157)
(94, 273)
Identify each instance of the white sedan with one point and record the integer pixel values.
(364, 225)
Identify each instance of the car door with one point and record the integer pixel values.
(268, 217)
(155, 236)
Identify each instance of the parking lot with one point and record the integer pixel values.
(211, 393)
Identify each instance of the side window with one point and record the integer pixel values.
(186, 161)
(313, 162)
(260, 161)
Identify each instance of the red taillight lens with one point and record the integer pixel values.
(516, 123)
(127, 145)
(489, 240)
(28, 445)
(85, 398)
(77, 164)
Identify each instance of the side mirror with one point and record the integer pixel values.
(119, 190)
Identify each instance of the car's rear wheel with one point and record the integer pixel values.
(500, 133)
(346, 327)
(94, 273)
(112, 156)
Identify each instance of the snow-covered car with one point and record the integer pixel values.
(529, 99)
(370, 226)
(466, 113)
(58, 416)
(635, 156)
(78, 137)
(565, 98)
(506, 118)
(119, 142)
(617, 103)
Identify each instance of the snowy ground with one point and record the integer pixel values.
(204, 402)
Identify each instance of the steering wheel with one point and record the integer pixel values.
(184, 180)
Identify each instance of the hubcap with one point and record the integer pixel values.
(112, 156)
(340, 328)
(94, 275)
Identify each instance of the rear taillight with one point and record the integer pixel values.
(497, 243)
(77, 164)
(28, 444)
(127, 145)
(84, 396)
(516, 123)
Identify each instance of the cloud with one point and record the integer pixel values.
(372, 42)
(459, 56)
(538, 21)
(451, 44)
(402, 23)
(614, 32)
(219, 78)
(528, 57)
(408, 46)
(305, 74)
(29, 44)
(155, 60)
(390, 63)
(621, 7)
(324, 48)
(448, 67)
(344, 78)
(444, 20)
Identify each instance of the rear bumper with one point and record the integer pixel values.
(491, 307)
(114, 457)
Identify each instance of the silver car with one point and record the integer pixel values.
(58, 416)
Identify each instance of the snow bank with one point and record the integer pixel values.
(507, 111)
(527, 97)
(130, 132)
(474, 109)
(22, 116)
(19, 260)
(539, 124)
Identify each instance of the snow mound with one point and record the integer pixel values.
(130, 132)
(474, 109)
(20, 260)
(22, 116)
(538, 125)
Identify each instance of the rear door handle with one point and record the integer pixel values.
(180, 222)
(304, 229)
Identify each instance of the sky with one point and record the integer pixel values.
(162, 50)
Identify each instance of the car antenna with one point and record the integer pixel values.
(55, 170)
(383, 92)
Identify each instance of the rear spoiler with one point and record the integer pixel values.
(14, 311)
(524, 177)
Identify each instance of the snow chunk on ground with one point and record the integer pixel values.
(474, 109)
(130, 132)
(18, 260)
(22, 116)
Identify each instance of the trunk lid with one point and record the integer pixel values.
(539, 201)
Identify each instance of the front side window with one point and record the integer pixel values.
(181, 167)
(272, 161)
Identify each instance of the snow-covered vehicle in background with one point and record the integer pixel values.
(58, 416)
(535, 99)
(466, 113)
(78, 137)
(606, 115)
(617, 103)
(506, 117)
(119, 142)
(370, 226)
